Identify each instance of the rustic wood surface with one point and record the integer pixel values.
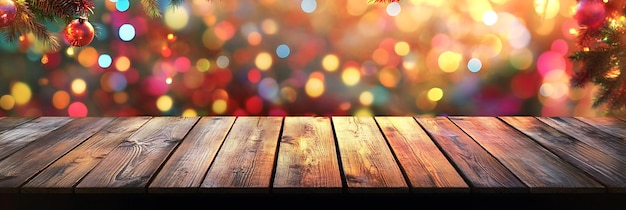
(533, 164)
(307, 159)
(368, 163)
(130, 166)
(246, 162)
(425, 166)
(319, 155)
(605, 168)
(65, 173)
(185, 170)
(484, 172)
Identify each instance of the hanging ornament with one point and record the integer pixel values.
(79, 32)
(8, 11)
(590, 13)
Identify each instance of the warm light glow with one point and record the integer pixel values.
(79, 86)
(351, 76)
(263, 61)
(21, 93)
(314, 87)
(164, 103)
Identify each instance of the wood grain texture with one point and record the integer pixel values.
(186, 168)
(368, 163)
(592, 136)
(607, 169)
(307, 159)
(610, 125)
(7, 123)
(245, 162)
(538, 168)
(65, 173)
(18, 137)
(483, 172)
(131, 165)
(425, 166)
(25, 163)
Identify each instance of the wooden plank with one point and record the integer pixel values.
(131, 165)
(592, 136)
(18, 137)
(186, 168)
(367, 161)
(7, 123)
(425, 166)
(610, 125)
(483, 172)
(607, 169)
(65, 173)
(16, 169)
(245, 162)
(537, 167)
(307, 158)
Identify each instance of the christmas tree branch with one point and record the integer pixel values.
(31, 14)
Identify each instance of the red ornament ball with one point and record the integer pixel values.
(8, 11)
(590, 13)
(79, 32)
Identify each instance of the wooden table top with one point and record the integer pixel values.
(301, 154)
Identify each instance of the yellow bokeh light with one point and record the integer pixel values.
(21, 93)
(122, 63)
(7, 102)
(203, 65)
(402, 48)
(435, 94)
(356, 7)
(363, 113)
(314, 87)
(351, 76)
(477, 8)
(366, 98)
(88, 57)
(330, 62)
(60, 99)
(548, 9)
(389, 77)
(79, 86)
(176, 18)
(190, 113)
(263, 61)
(70, 52)
(449, 61)
(164, 103)
(220, 106)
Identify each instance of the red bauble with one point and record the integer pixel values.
(590, 13)
(79, 32)
(8, 11)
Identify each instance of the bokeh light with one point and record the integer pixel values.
(307, 57)
(127, 32)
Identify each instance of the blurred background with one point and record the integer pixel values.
(305, 57)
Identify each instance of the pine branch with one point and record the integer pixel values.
(25, 23)
(151, 7)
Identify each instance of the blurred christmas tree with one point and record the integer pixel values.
(602, 54)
